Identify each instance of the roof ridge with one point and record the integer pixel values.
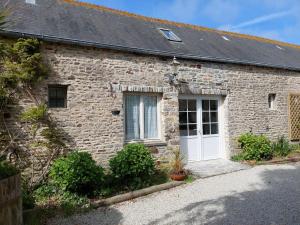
(179, 24)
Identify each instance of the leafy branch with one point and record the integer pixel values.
(21, 69)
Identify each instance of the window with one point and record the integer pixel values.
(30, 2)
(141, 117)
(169, 35)
(225, 38)
(210, 124)
(188, 117)
(271, 101)
(57, 96)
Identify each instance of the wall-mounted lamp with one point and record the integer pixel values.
(175, 66)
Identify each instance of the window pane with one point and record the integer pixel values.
(57, 96)
(192, 129)
(52, 92)
(167, 33)
(192, 105)
(182, 117)
(214, 128)
(60, 102)
(213, 117)
(182, 105)
(132, 117)
(205, 117)
(183, 130)
(60, 93)
(150, 117)
(205, 105)
(192, 117)
(52, 103)
(206, 129)
(213, 105)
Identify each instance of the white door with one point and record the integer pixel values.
(199, 127)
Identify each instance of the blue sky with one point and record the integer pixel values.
(275, 19)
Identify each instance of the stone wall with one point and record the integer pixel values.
(97, 80)
(11, 201)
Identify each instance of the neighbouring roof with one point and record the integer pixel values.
(69, 21)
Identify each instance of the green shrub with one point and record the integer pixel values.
(71, 202)
(34, 114)
(44, 192)
(52, 200)
(77, 173)
(255, 147)
(133, 166)
(7, 170)
(28, 200)
(282, 147)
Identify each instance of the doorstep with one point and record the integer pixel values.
(209, 168)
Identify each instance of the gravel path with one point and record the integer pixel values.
(261, 195)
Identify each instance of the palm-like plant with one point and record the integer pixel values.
(177, 166)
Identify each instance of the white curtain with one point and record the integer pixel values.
(150, 117)
(132, 117)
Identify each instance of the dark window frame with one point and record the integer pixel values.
(57, 98)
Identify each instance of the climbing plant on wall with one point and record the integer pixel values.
(30, 137)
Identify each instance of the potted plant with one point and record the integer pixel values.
(177, 167)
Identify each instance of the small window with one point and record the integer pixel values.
(141, 117)
(30, 2)
(225, 38)
(271, 101)
(169, 35)
(57, 96)
(279, 47)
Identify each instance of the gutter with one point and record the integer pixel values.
(54, 39)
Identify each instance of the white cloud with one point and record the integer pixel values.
(257, 20)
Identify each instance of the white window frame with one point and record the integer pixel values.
(142, 119)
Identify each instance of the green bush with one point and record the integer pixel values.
(254, 147)
(282, 147)
(7, 170)
(50, 192)
(133, 166)
(77, 173)
(44, 192)
(28, 200)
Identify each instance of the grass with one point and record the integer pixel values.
(189, 179)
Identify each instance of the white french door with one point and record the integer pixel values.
(199, 125)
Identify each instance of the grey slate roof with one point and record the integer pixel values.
(69, 22)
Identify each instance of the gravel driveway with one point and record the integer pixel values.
(261, 195)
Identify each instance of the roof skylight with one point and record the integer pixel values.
(225, 38)
(30, 2)
(168, 34)
(277, 46)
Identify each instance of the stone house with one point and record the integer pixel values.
(114, 80)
